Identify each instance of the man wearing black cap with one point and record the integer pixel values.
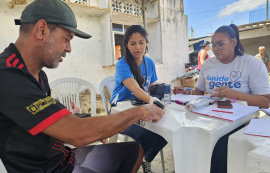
(33, 126)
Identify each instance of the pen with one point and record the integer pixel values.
(179, 102)
(223, 111)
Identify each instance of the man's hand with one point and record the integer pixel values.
(153, 113)
(224, 92)
(75, 109)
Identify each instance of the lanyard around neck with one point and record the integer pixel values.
(145, 69)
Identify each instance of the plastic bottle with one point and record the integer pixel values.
(167, 94)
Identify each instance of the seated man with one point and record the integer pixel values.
(33, 126)
(264, 57)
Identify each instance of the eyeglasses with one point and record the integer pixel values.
(219, 45)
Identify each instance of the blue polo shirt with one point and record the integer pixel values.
(123, 72)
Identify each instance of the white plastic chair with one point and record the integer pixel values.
(109, 82)
(68, 90)
(2, 167)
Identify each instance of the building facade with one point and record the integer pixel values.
(106, 20)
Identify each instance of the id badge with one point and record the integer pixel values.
(145, 88)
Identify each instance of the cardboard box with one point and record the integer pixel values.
(189, 82)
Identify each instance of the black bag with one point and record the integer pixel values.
(157, 90)
(137, 102)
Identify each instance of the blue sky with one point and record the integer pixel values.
(205, 16)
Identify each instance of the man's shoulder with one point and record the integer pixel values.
(258, 55)
(4, 56)
(266, 56)
(10, 59)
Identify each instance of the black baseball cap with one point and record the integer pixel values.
(53, 12)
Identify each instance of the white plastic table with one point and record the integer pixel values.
(248, 154)
(192, 137)
(2, 167)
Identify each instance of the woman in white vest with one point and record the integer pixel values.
(231, 73)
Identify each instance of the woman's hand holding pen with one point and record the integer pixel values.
(180, 90)
(177, 90)
(224, 92)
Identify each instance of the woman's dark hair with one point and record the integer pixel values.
(203, 45)
(135, 69)
(232, 32)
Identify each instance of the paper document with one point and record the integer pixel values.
(259, 127)
(184, 98)
(188, 98)
(238, 111)
(267, 111)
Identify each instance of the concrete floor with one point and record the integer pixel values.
(156, 163)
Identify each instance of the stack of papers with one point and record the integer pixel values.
(238, 111)
(259, 127)
(267, 111)
(182, 98)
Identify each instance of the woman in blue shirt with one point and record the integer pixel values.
(135, 73)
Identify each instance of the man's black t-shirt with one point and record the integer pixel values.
(26, 109)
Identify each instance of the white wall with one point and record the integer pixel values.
(155, 42)
(251, 40)
(152, 10)
(99, 3)
(87, 57)
(174, 41)
(254, 33)
(9, 32)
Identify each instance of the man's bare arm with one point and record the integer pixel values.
(82, 131)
